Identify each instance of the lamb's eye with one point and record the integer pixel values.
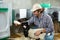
(24, 26)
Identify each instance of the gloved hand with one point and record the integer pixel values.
(17, 23)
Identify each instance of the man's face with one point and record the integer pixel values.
(37, 12)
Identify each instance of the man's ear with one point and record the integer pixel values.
(42, 10)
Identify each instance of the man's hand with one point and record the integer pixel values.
(37, 33)
(17, 23)
(44, 30)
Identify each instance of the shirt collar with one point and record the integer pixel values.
(41, 16)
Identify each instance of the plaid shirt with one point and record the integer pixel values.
(44, 21)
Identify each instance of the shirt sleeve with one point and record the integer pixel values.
(50, 26)
(31, 20)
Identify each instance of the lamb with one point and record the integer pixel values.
(26, 28)
(28, 32)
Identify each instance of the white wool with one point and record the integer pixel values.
(32, 31)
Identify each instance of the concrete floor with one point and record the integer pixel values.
(18, 36)
(57, 36)
(21, 37)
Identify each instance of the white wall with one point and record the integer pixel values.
(54, 3)
(9, 6)
(16, 4)
(6, 20)
(21, 4)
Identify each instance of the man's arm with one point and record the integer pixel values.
(50, 26)
(31, 20)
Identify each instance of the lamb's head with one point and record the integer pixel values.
(26, 28)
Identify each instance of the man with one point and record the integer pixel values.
(41, 20)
